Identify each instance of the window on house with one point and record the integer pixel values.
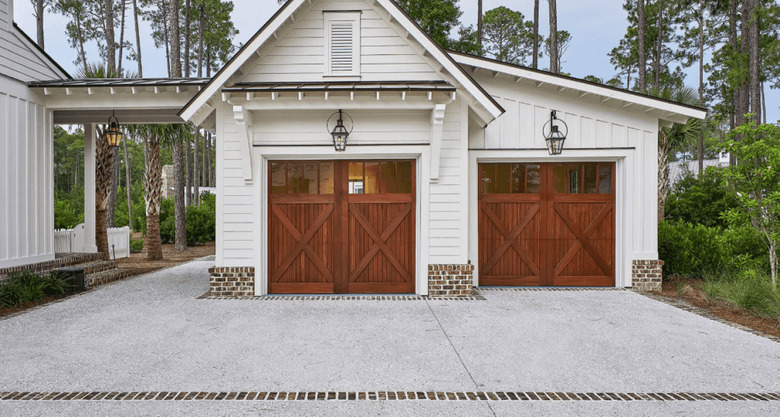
(342, 43)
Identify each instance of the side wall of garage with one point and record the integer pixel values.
(597, 132)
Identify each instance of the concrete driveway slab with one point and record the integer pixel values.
(152, 333)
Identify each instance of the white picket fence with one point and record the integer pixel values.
(72, 241)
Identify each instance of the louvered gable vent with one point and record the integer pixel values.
(342, 44)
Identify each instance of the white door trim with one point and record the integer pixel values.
(421, 154)
(622, 158)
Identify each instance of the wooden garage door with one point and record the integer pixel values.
(547, 224)
(341, 227)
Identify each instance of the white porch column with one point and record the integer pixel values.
(90, 245)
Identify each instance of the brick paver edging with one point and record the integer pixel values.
(383, 396)
(686, 306)
(534, 289)
(475, 297)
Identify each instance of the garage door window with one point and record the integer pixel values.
(380, 177)
(300, 177)
(510, 178)
(583, 178)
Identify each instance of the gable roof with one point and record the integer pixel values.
(670, 110)
(45, 58)
(491, 108)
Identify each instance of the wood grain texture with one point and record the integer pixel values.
(547, 238)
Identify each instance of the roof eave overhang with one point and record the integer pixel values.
(665, 110)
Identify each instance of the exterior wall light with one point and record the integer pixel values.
(340, 132)
(113, 135)
(555, 132)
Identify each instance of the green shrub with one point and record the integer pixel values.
(28, 287)
(65, 216)
(693, 250)
(749, 289)
(700, 200)
(201, 221)
(136, 245)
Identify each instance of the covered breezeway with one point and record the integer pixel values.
(90, 102)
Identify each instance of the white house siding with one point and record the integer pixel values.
(237, 217)
(26, 207)
(6, 14)
(20, 60)
(299, 53)
(596, 131)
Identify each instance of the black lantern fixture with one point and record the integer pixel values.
(113, 135)
(555, 132)
(340, 132)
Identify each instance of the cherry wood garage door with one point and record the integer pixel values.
(547, 224)
(341, 227)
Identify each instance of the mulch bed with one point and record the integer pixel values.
(171, 257)
(695, 295)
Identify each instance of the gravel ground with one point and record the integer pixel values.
(151, 333)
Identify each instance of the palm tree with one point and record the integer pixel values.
(674, 137)
(105, 160)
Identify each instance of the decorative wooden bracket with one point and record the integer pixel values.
(437, 127)
(246, 138)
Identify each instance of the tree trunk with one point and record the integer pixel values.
(153, 195)
(204, 171)
(212, 174)
(755, 62)
(535, 61)
(201, 28)
(553, 37)
(658, 45)
(166, 35)
(743, 98)
(763, 102)
(137, 40)
(188, 169)
(773, 262)
(110, 38)
(102, 190)
(128, 186)
(112, 195)
(40, 11)
(663, 172)
(121, 39)
(195, 166)
(175, 40)
(187, 38)
(82, 51)
(701, 83)
(479, 23)
(180, 243)
(642, 48)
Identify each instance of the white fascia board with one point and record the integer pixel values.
(574, 84)
(443, 58)
(239, 60)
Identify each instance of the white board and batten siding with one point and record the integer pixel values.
(299, 53)
(596, 132)
(26, 161)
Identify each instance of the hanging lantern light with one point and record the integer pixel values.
(113, 135)
(340, 132)
(555, 132)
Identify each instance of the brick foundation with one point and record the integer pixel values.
(646, 275)
(450, 280)
(232, 281)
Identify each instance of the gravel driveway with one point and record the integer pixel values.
(151, 334)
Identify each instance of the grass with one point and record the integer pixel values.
(748, 290)
(27, 287)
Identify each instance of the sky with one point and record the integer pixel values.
(596, 27)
